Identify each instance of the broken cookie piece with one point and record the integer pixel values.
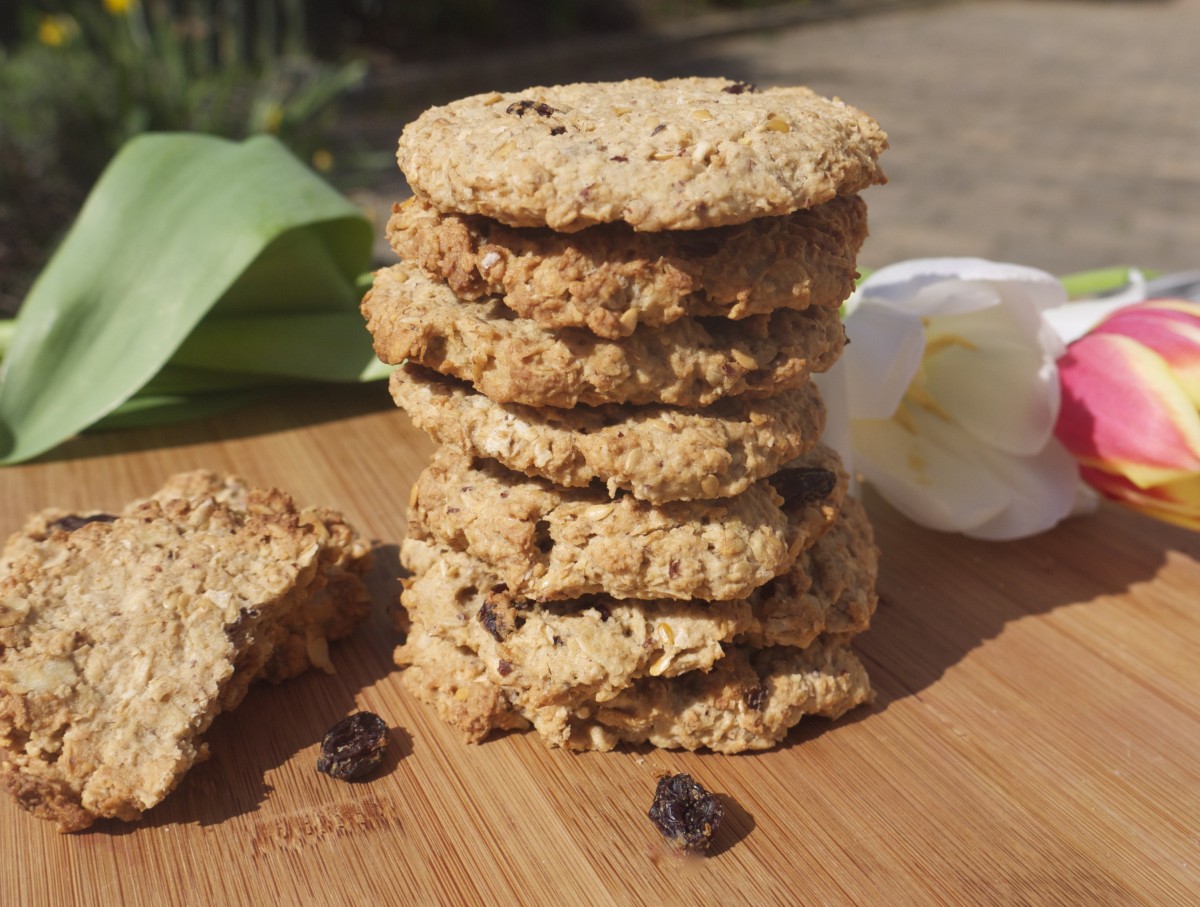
(123, 635)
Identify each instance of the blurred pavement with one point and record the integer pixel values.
(1063, 135)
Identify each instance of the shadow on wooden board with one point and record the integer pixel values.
(943, 595)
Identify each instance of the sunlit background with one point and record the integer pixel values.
(1056, 134)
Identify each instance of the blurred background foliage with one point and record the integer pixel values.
(78, 78)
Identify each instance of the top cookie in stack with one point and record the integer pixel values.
(610, 302)
(684, 154)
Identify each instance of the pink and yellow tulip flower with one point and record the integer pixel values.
(1130, 411)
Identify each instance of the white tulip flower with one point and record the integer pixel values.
(946, 397)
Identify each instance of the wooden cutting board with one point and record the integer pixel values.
(1034, 739)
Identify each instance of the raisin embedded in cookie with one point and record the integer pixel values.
(690, 362)
(610, 279)
(656, 453)
(123, 635)
(681, 154)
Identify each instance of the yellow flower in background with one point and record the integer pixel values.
(119, 7)
(272, 119)
(322, 160)
(57, 30)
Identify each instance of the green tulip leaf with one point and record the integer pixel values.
(326, 346)
(1097, 282)
(144, 410)
(180, 226)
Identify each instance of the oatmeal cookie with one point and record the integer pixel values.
(553, 659)
(610, 279)
(656, 453)
(546, 542)
(681, 154)
(748, 700)
(123, 635)
(690, 362)
(455, 684)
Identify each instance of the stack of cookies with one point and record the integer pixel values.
(609, 303)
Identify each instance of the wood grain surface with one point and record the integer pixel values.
(1034, 739)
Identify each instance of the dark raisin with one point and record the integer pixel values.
(558, 130)
(685, 813)
(659, 128)
(619, 158)
(755, 697)
(520, 107)
(504, 668)
(243, 627)
(807, 484)
(740, 88)
(673, 568)
(354, 747)
(73, 521)
(497, 618)
(542, 539)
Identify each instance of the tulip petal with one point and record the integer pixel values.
(1123, 411)
(904, 281)
(836, 433)
(941, 477)
(1174, 502)
(1170, 327)
(883, 353)
(1073, 320)
(985, 371)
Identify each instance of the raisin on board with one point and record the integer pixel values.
(354, 747)
(685, 813)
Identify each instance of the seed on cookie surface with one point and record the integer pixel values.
(744, 359)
